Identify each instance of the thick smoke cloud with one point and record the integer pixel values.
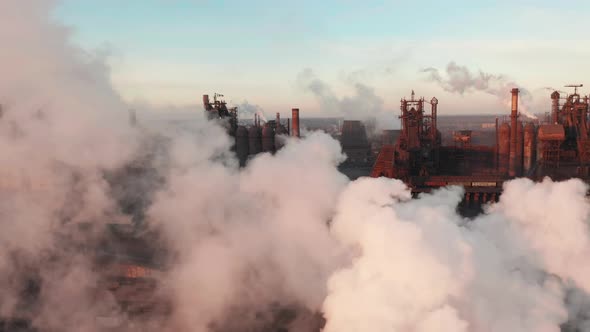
(364, 103)
(62, 126)
(459, 79)
(250, 110)
(260, 248)
(420, 267)
(255, 237)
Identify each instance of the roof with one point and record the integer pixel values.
(551, 132)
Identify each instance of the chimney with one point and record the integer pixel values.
(295, 122)
(434, 106)
(278, 122)
(513, 124)
(554, 107)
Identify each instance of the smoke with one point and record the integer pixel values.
(266, 247)
(244, 237)
(62, 127)
(364, 103)
(419, 266)
(459, 79)
(250, 109)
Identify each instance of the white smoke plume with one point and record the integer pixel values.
(420, 267)
(247, 109)
(364, 103)
(459, 79)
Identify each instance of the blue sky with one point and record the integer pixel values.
(172, 51)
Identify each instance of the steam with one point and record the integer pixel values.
(459, 79)
(364, 103)
(421, 267)
(251, 109)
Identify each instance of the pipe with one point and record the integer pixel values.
(554, 107)
(513, 124)
(434, 104)
(295, 123)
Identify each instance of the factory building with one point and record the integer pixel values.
(558, 147)
(258, 138)
(354, 142)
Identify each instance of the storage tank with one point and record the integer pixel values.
(268, 139)
(242, 143)
(255, 140)
(281, 134)
(519, 145)
(529, 146)
(503, 147)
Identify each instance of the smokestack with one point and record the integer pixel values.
(278, 122)
(434, 105)
(554, 107)
(513, 124)
(295, 122)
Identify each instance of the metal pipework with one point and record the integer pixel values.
(513, 132)
(554, 107)
(434, 106)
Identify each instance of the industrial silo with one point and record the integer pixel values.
(529, 146)
(242, 143)
(268, 138)
(255, 140)
(519, 146)
(503, 147)
(281, 134)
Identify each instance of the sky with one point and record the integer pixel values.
(170, 52)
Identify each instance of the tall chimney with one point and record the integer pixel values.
(554, 107)
(295, 122)
(278, 120)
(434, 104)
(513, 124)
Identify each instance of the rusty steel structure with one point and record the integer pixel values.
(558, 148)
(257, 138)
(564, 142)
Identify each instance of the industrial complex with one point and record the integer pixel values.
(557, 146)
(427, 153)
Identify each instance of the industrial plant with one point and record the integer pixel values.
(420, 154)
(557, 146)
(258, 138)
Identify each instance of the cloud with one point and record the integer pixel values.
(459, 79)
